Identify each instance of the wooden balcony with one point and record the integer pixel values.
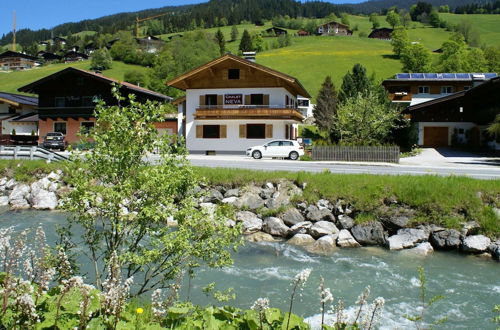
(248, 112)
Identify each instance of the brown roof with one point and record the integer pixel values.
(176, 82)
(30, 87)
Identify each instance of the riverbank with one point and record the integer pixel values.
(324, 212)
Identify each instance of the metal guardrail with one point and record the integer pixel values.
(356, 153)
(29, 152)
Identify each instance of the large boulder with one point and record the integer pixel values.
(21, 191)
(476, 244)
(422, 249)
(395, 218)
(251, 223)
(470, 228)
(267, 193)
(448, 239)
(345, 239)
(20, 203)
(275, 227)
(292, 217)
(230, 200)
(495, 250)
(259, 237)
(315, 214)
(300, 228)
(324, 245)
(42, 184)
(249, 200)
(324, 204)
(345, 221)
(322, 228)
(285, 191)
(406, 238)
(4, 200)
(370, 233)
(213, 196)
(10, 184)
(301, 239)
(232, 193)
(44, 200)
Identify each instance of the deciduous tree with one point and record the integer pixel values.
(101, 60)
(399, 40)
(416, 58)
(393, 19)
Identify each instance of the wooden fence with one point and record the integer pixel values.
(356, 153)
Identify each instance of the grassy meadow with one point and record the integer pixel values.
(11, 81)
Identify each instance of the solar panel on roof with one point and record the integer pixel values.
(462, 75)
(403, 76)
(417, 75)
(430, 75)
(448, 76)
(490, 75)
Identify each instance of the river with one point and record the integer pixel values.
(470, 284)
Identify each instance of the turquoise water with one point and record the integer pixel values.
(470, 284)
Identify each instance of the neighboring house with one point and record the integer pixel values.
(305, 107)
(414, 88)
(74, 56)
(232, 104)
(334, 29)
(150, 44)
(382, 33)
(13, 61)
(67, 101)
(303, 33)
(60, 40)
(275, 31)
(49, 57)
(18, 116)
(460, 118)
(90, 48)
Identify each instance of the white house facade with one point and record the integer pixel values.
(232, 104)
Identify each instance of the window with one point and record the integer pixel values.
(257, 99)
(233, 74)
(211, 131)
(211, 99)
(287, 144)
(446, 90)
(86, 126)
(60, 127)
(303, 103)
(423, 89)
(60, 102)
(256, 131)
(274, 144)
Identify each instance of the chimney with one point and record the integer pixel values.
(249, 56)
(478, 79)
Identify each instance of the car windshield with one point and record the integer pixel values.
(54, 134)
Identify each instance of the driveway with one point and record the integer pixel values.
(444, 157)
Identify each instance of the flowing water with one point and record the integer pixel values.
(470, 284)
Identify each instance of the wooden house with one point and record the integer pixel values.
(333, 29)
(49, 57)
(67, 101)
(18, 119)
(382, 33)
(150, 44)
(303, 33)
(275, 31)
(14, 61)
(74, 56)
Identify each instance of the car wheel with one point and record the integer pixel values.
(294, 155)
(257, 154)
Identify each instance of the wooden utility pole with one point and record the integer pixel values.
(14, 31)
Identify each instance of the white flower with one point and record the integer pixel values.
(326, 296)
(302, 277)
(260, 305)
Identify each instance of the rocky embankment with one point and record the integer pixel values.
(269, 213)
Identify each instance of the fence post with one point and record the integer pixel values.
(16, 150)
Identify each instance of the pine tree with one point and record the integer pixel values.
(221, 41)
(325, 109)
(354, 83)
(246, 42)
(234, 33)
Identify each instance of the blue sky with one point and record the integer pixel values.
(35, 14)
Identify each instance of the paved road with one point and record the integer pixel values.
(479, 172)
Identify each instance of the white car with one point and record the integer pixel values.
(277, 148)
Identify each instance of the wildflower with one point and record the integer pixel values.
(157, 303)
(361, 302)
(373, 316)
(260, 305)
(301, 278)
(139, 310)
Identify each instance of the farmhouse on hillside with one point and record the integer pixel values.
(13, 61)
(459, 118)
(18, 119)
(275, 31)
(150, 44)
(333, 29)
(232, 104)
(74, 56)
(382, 33)
(67, 101)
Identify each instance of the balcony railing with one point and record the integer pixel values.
(51, 112)
(249, 112)
(247, 106)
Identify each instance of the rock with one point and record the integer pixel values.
(275, 227)
(322, 228)
(250, 200)
(278, 199)
(371, 233)
(406, 238)
(53, 187)
(230, 223)
(42, 184)
(325, 245)
(232, 193)
(3, 181)
(345, 221)
(301, 239)
(53, 176)
(213, 196)
(302, 206)
(230, 200)
(292, 217)
(44, 200)
(470, 228)
(171, 222)
(268, 185)
(476, 244)
(20, 203)
(345, 239)
(251, 223)
(259, 237)
(324, 204)
(423, 249)
(20, 191)
(300, 228)
(10, 184)
(209, 208)
(448, 239)
(315, 214)
(267, 193)
(4, 200)
(495, 250)
(495, 209)
(395, 218)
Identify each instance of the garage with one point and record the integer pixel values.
(436, 136)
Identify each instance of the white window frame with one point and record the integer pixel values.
(445, 88)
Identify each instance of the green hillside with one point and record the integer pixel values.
(487, 25)
(11, 81)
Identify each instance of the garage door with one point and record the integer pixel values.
(435, 136)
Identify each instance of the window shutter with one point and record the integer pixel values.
(243, 131)
(266, 99)
(223, 131)
(199, 131)
(247, 99)
(219, 100)
(202, 100)
(269, 131)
